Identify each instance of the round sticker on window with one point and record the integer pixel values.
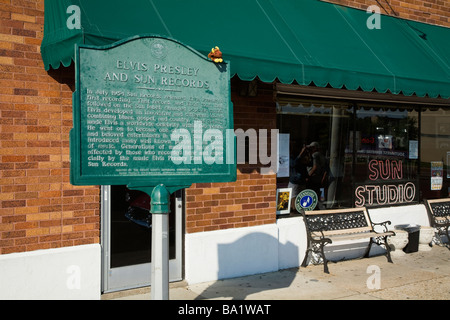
(306, 200)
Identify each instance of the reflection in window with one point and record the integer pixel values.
(328, 126)
(377, 155)
(435, 153)
(372, 151)
(386, 155)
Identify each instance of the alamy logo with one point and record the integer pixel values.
(209, 147)
(74, 20)
(74, 279)
(374, 281)
(374, 21)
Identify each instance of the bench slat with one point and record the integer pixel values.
(352, 236)
(442, 219)
(347, 231)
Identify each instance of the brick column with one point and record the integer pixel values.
(249, 201)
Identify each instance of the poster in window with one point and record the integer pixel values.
(436, 175)
(283, 155)
(284, 200)
(385, 142)
(448, 165)
(413, 149)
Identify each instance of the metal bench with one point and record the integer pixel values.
(439, 216)
(325, 226)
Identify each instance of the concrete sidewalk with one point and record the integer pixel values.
(423, 275)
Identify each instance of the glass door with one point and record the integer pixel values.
(126, 238)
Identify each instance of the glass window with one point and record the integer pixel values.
(371, 155)
(386, 158)
(318, 135)
(435, 153)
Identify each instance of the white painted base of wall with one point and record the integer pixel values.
(414, 214)
(292, 242)
(232, 253)
(71, 273)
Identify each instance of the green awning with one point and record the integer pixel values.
(308, 41)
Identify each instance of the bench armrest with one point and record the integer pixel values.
(322, 239)
(383, 224)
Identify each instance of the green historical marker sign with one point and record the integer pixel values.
(148, 111)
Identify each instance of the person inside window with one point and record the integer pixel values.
(317, 172)
(298, 173)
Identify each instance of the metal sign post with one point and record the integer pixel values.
(160, 257)
(160, 243)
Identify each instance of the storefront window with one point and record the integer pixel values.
(386, 155)
(374, 155)
(435, 153)
(322, 131)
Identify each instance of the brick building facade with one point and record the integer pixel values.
(40, 209)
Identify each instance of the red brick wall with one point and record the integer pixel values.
(249, 201)
(39, 208)
(429, 11)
